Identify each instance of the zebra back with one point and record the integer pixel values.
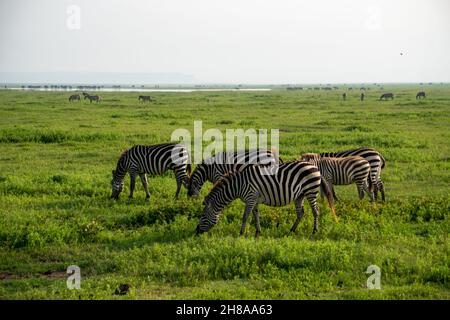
(155, 159)
(222, 163)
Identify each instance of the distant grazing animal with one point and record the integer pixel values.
(420, 95)
(362, 96)
(154, 160)
(212, 169)
(344, 96)
(291, 182)
(343, 171)
(92, 98)
(74, 97)
(385, 96)
(376, 161)
(145, 98)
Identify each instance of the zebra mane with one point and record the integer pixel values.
(222, 179)
(123, 154)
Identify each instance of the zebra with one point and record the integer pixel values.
(155, 160)
(212, 169)
(92, 98)
(362, 96)
(290, 182)
(145, 98)
(420, 95)
(74, 97)
(343, 171)
(344, 96)
(385, 96)
(376, 161)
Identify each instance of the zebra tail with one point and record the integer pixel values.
(369, 180)
(324, 185)
(383, 161)
(189, 169)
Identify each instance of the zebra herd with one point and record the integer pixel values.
(254, 176)
(96, 98)
(386, 96)
(77, 97)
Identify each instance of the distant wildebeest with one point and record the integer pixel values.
(385, 96)
(74, 97)
(92, 98)
(362, 96)
(145, 98)
(420, 95)
(344, 96)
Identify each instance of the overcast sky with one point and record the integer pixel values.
(232, 41)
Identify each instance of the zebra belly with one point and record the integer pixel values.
(276, 202)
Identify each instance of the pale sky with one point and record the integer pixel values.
(232, 41)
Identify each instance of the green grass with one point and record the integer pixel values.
(55, 165)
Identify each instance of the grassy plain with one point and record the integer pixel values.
(55, 164)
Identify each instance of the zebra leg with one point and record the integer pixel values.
(143, 177)
(299, 210)
(177, 193)
(132, 184)
(248, 208)
(332, 191)
(375, 187)
(365, 187)
(312, 199)
(380, 186)
(256, 217)
(360, 188)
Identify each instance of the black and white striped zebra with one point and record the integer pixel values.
(145, 98)
(74, 97)
(343, 171)
(212, 169)
(154, 160)
(91, 98)
(376, 160)
(292, 181)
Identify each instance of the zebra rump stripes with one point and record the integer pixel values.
(273, 186)
(154, 160)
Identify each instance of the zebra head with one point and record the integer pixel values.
(197, 180)
(208, 219)
(117, 185)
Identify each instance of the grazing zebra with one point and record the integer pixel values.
(385, 96)
(344, 96)
(362, 96)
(292, 181)
(376, 161)
(145, 98)
(155, 160)
(92, 98)
(342, 171)
(212, 169)
(74, 97)
(420, 95)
